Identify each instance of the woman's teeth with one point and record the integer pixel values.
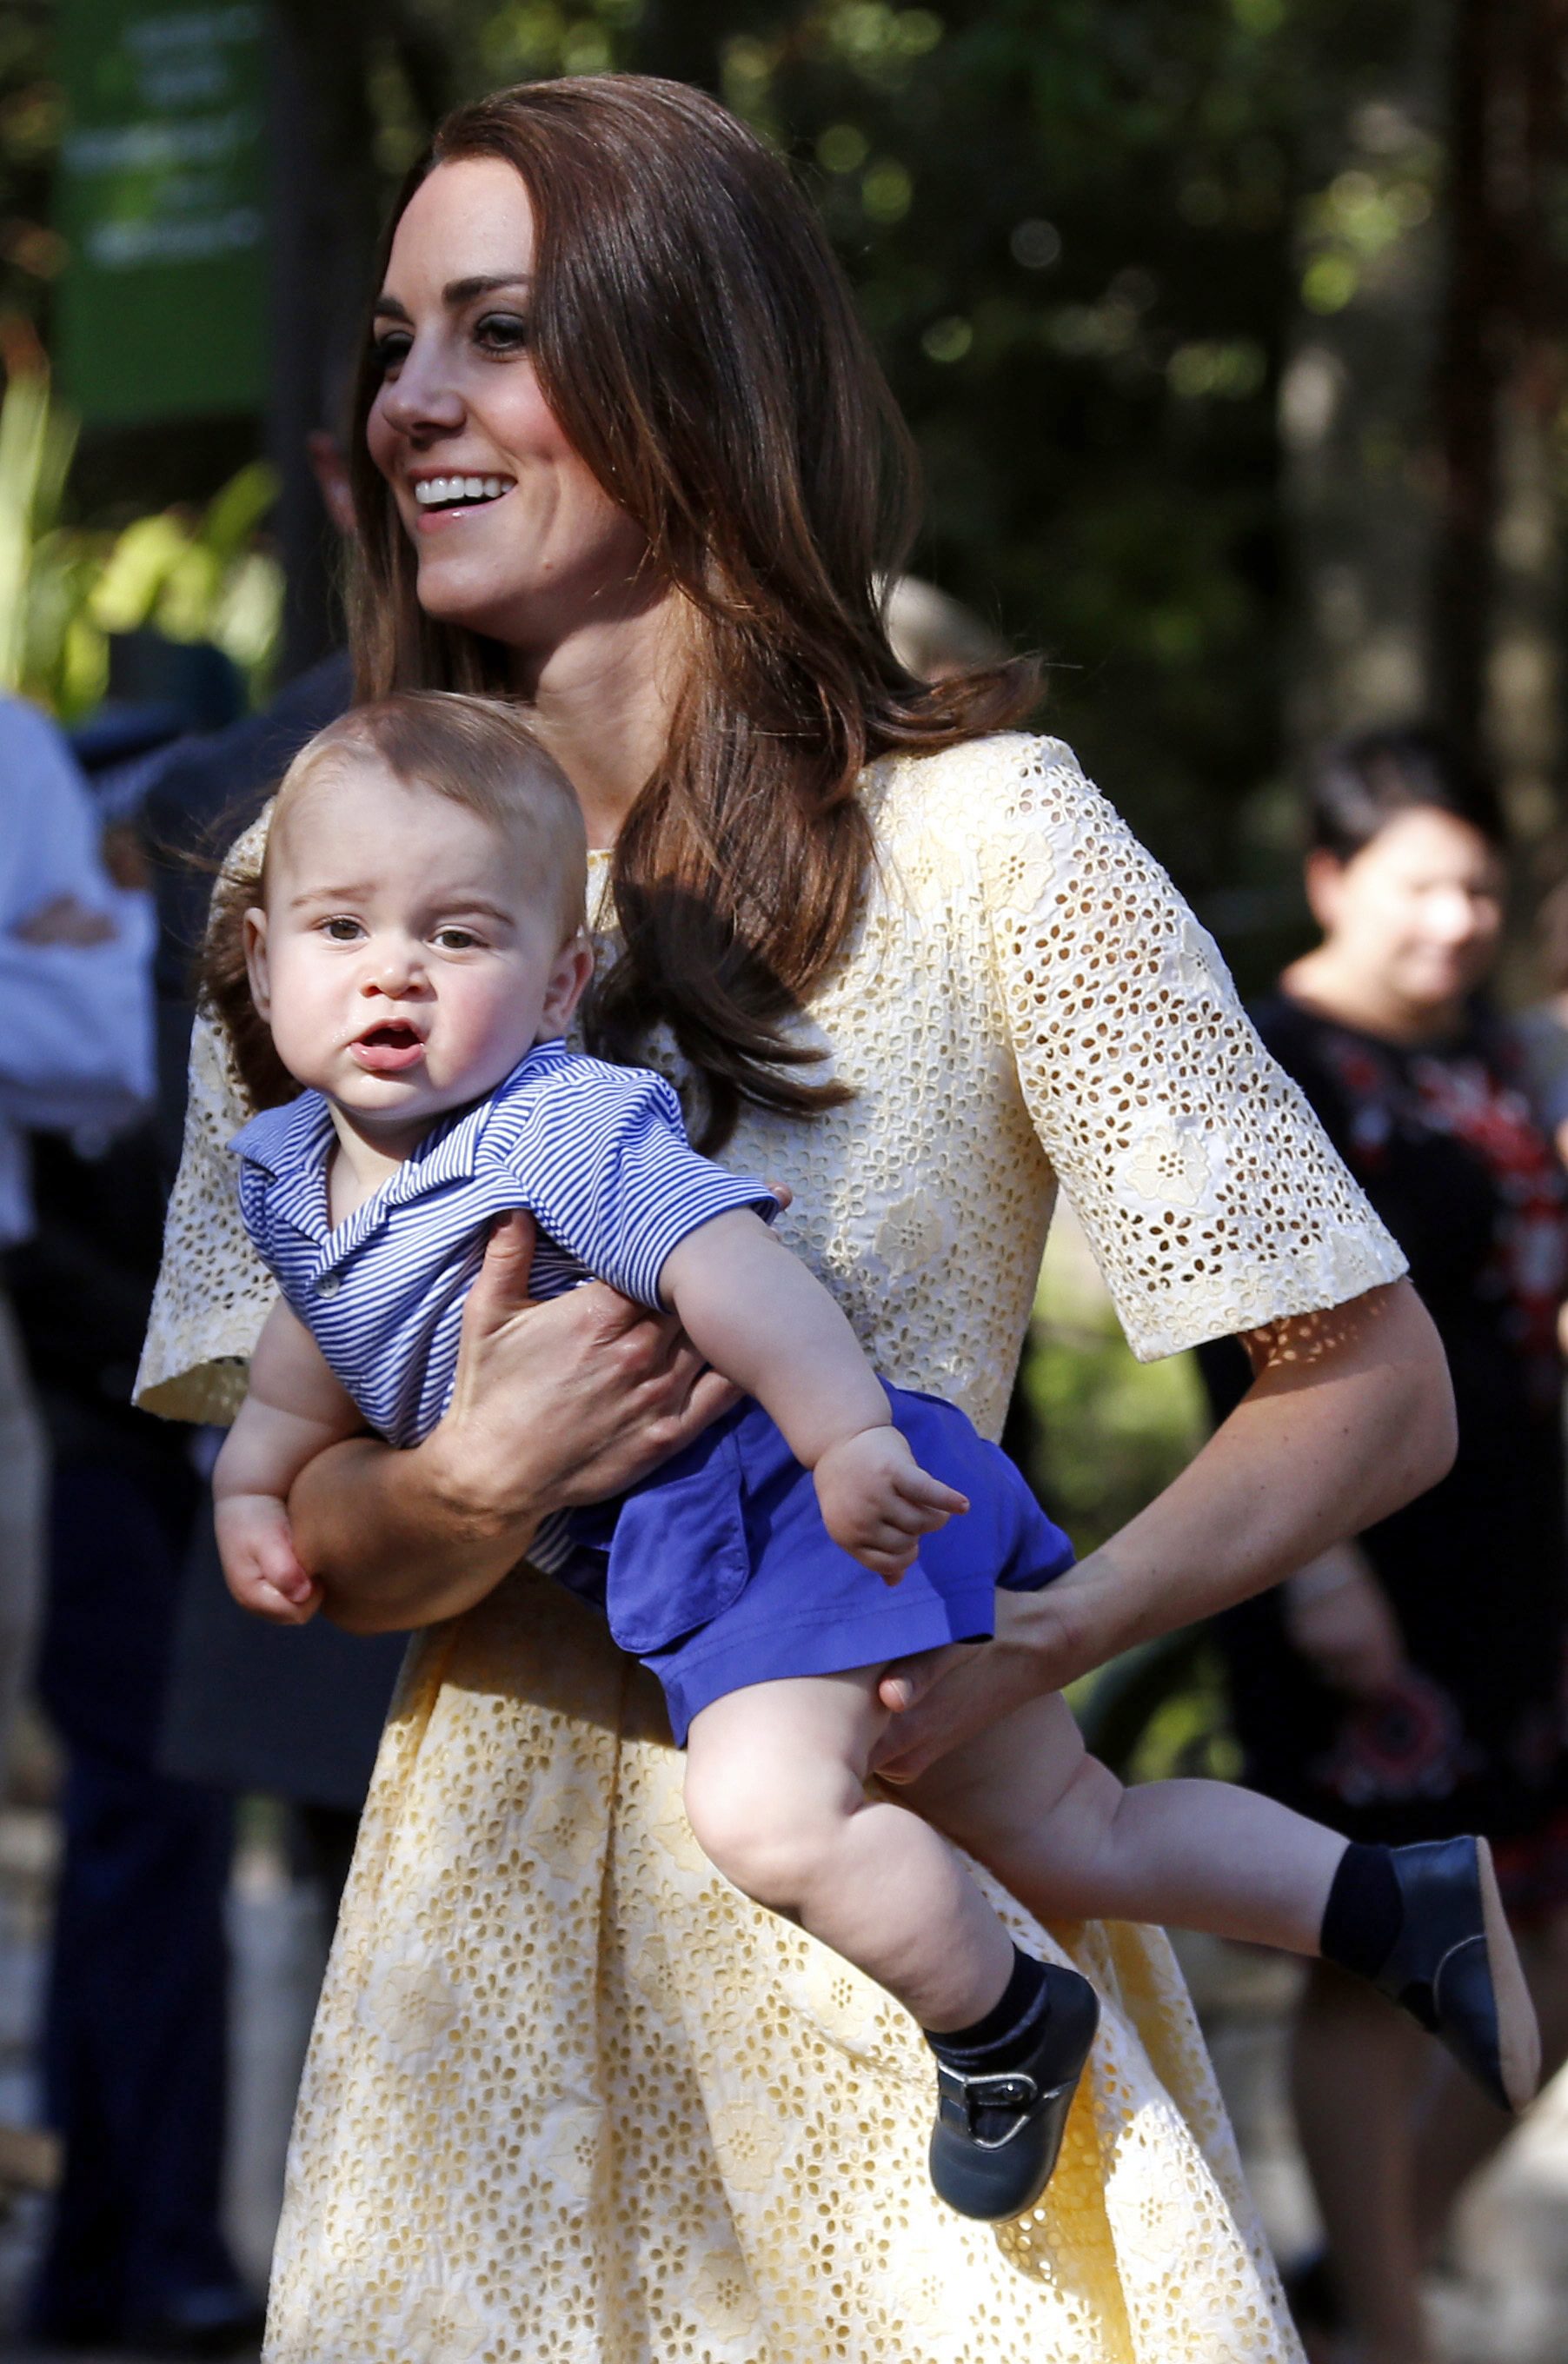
(441, 492)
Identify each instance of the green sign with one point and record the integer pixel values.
(162, 304)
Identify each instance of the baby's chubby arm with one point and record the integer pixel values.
(760, 1318)
(295, 1410)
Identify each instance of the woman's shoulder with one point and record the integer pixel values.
(1012, 819)
(1004, 817)
(1005, 776)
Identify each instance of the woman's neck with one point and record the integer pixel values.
(1338, 988)
(602, 701)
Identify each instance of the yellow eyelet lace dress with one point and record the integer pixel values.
(573, 2100)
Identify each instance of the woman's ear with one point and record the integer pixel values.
(1325, 879)
(569, 980)
(255, 940)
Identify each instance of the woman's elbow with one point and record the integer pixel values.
(1420, 1421)
(1434, 1429)
(351, 1614)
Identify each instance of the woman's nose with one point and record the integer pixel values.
(423, 399)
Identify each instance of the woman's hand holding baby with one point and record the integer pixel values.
(556, 1404)
(567, 1402)
(877, 1501)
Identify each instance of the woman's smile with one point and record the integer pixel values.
(454, 494)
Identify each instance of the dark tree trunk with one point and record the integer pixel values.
(329, 197)
(1502, 318)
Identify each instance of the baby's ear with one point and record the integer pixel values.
(254, 936)
(569, 980)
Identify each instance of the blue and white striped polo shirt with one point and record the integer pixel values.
(597, 1154)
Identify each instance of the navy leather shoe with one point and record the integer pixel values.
(997, 2134)
(1456, 1969)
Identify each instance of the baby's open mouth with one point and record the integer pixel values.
(382, 1050)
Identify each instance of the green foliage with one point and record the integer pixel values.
(191, 576)
(1111, 1433)
(1114, 1431)
(35, 453)
(1161, 1709)
(1072, 231)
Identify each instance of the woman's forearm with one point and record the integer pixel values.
(394, 1541)
(1349, 1419)
(1349, 1415)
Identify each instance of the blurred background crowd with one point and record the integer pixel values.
(1234, 334)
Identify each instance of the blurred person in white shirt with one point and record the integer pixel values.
(76, 1054)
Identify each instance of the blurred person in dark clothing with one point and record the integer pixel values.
(1410, 1684)
(135, 2036)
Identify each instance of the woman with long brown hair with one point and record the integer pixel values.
(627, 460)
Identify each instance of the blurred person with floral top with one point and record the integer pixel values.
(1409, 1684)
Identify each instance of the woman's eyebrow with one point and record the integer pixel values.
(455, 294)
(458, 292)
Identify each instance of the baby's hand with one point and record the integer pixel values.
(877, 1501)
(257, 1550)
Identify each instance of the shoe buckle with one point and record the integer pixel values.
(958, 2097)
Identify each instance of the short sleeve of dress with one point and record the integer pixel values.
(213, 1292)
(1210, 1193)
(612, 1176)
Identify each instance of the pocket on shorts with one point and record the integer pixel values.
(679, 1553)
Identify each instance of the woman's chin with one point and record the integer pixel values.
(449, 593)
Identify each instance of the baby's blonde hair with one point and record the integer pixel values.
(476, 750)
(479, 753)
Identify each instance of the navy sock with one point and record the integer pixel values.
(1364, 1913)
(1008, 2030)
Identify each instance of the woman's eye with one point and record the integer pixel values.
(501, 333)
(390, 349)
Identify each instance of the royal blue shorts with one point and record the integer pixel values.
(717, 1571)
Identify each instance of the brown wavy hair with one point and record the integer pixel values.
(697, 345)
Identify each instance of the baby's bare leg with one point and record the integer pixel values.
(1064, 1835)
(775, 1794)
